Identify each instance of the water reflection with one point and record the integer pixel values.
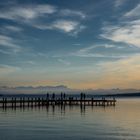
(72, 122)
(62, 109)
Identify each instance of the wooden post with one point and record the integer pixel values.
(107, 103)
(103, 101)
(23, 101)
(31, 102)
(42, 101)
(2, 102)
(35, 101)
(92, 101)
(20, 102)
(53, 98)
(96, 103)
(12, 101)
(5, 102)
(38, 101)
(28, 102)
(15, 102)
(114, 101)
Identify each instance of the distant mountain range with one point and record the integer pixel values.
(31, 89)
(38, 87)
(63, 88)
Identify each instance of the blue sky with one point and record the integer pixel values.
(78, 43)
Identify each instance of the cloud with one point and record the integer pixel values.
(127, 30)
(64, 62)
(67, 26)
(29, 62)
(116, 51)
(72, 13)
(134, 12)
(10, 29)
(109, 46)
(128, 33)
(26, 13)
(13, 28)
(118, 3)
(5, 52)
(76, 44)
(9, 43)
(45, 17)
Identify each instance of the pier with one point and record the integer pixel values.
(53, 100)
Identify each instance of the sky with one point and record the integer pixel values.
(79, 43)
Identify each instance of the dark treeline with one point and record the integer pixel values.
(66, 95)
(122, 95)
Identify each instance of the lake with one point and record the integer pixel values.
(121, 122)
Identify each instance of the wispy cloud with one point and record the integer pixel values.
(105, 51)
(5, 52)
(128, 33)
(13, 28)
(127, 30)
(71, 13)
(65, 25)
(41, 17)
(118, 3)
(9, 43)
(76, 44)
(29, 62)
(71, 27)
(64, 62)
(134, 12)
(10, 29)
(26, 13)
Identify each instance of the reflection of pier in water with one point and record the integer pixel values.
(52, 100)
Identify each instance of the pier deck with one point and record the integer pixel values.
(33, 101)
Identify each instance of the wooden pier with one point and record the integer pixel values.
(46, 101)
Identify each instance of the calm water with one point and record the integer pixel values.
(72, 123)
